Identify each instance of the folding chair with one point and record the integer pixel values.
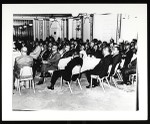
(133, 78)
(101, 80)
(51, 72)
(26, 74)
(76, 70)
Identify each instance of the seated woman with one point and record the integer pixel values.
(67, 72)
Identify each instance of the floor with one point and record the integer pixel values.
(122, 98)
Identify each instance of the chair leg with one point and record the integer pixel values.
(69, 86)
(120, 76)
(79, 83)
(113, 80)
(19, 87)
(33, 85)
(107, 82)
(101, 84)
(91, 82)
(61, 82)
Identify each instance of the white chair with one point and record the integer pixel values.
(112, 79)
(101, 80)
(26, 74)
(76, 70)
(51, 73)
(133, 78)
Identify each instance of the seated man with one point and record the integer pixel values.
(130, 69)
(67, 52)
(51, 63)
(116, 58)
(44, 56)
(101, 68)
(21, 61)
(67, 72)
(35, 54)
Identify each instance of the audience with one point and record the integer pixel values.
(46, 54)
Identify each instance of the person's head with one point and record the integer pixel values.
(37, 43)
(106, 50)
(72, 46)
(75, 43)
(91, 44)
(82, 47)
(44, 46)
(115, 50)
(54, 48)
(24, 50)
(127, 46)
(67, 47)
(95, 47)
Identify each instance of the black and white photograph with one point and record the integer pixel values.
(74, 61)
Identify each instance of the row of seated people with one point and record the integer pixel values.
(50, 61)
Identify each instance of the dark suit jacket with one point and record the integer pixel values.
(68, 69)
(102, 68)
(98, 54)
(128, 58)
(90, 51)
(46, 54)
(53, 61)
(68, 54)
(115, 60)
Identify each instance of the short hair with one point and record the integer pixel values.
(107, 47)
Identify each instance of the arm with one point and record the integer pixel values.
(55, 59)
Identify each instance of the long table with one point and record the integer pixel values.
(88, 64)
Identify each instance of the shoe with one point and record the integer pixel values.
(88, 86)
(50, 87)
(39, 83)
(128, 83)
(94, 86)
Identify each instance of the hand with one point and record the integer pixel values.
(44, 62)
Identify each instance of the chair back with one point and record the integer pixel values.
(26, 72)
(117, 66)
(109, 69)
(76, 70)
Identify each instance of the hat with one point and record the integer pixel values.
(24, 49)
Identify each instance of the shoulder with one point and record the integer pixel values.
(19, 57)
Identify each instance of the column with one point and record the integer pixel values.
(67, 29)
(91, 26)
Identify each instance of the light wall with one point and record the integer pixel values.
(104, 27)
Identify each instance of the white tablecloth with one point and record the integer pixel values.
(88, 64)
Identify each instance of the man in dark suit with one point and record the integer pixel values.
(51, 63)
(128, 55)
(116, 58)
(131, 68)
(67, 52)
(67, 72)
(101, 68)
